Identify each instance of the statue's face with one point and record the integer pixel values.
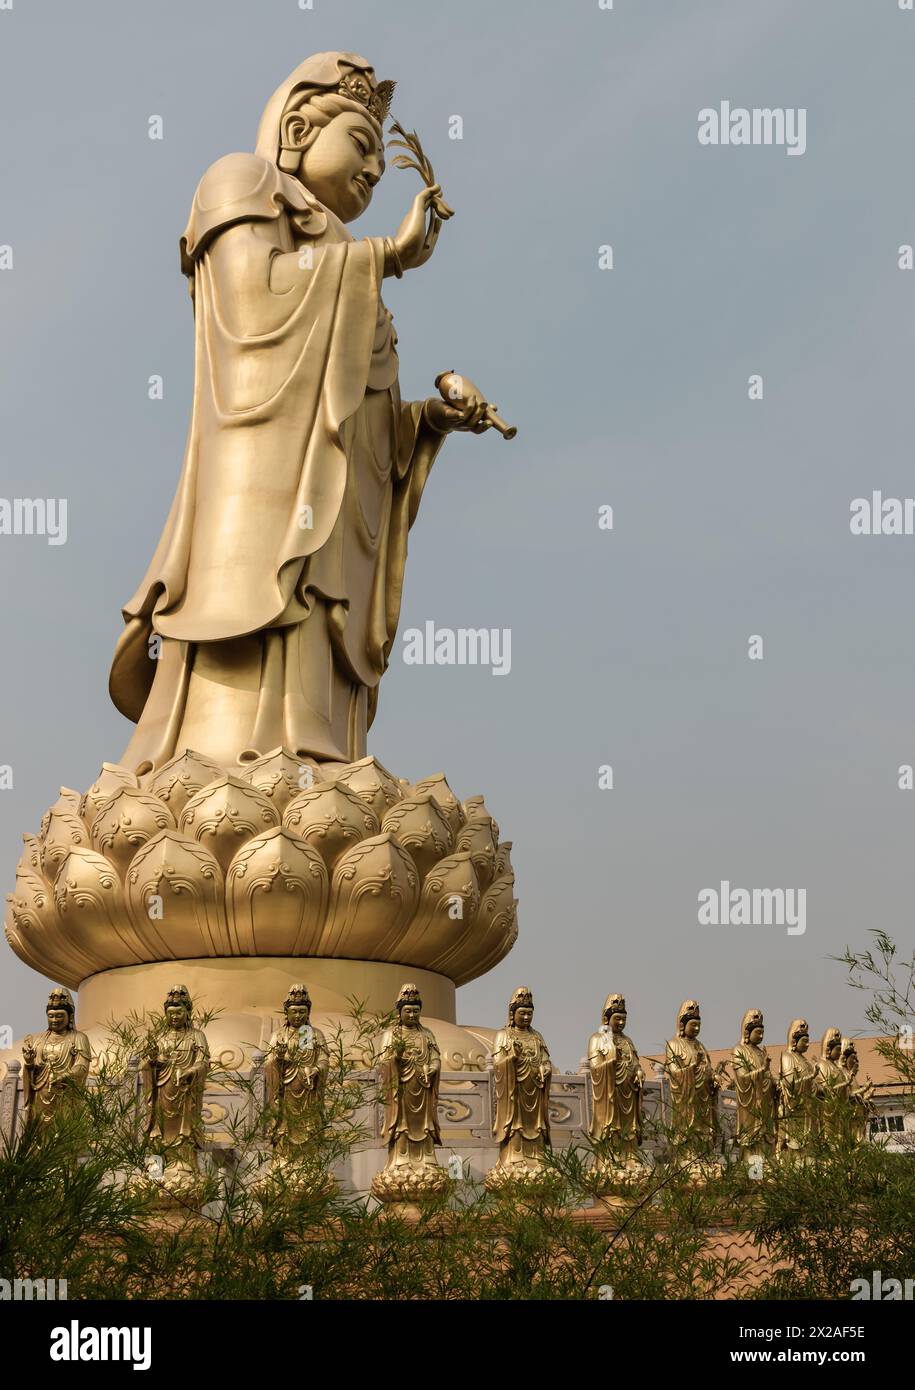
(343, 165)
(298, 1014)
(176, 1015)
(409, 1015)
(692, 1027)
(833, 1050)
(756, 1035)
(58, 1020)
(617, 1022)
(851, 1062)
(802, 1043)
(524, 1016)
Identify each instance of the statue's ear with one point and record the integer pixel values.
(294, 131)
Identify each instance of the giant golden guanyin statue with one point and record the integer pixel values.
(245, 821)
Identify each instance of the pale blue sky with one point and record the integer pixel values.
(629, 388)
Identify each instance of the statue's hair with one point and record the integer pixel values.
(319, 109)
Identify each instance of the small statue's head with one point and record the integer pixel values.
(61, 1010)
(324, 125)
(521, 1008)
(831, 1046)
(689, 1019)
(798, 1036)
(178, 1007)
(615, 1012)
(409, 1005)
(297, 1006)
(751, 1029)
(849, 1056)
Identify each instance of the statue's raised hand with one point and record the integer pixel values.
(415, 240)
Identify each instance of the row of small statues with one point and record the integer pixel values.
(786, 1113)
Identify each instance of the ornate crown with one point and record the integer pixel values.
(178, 994)
(376, 100)
(61, 999)
(409, 994)
(689, 1009)
(614, 1004)
(298, 994)
(521, 999)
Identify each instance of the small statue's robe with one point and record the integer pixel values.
(522, 1090)
(173, 1087)
(616, 1088)
(798, 1101)
(411, 1129)
(757, 1097)
(57, 1075)
(295, 1082)
(693, 1094)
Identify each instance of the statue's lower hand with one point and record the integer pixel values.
(444, 417)
(415, 241)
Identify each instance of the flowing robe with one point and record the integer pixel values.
(757, 1097)
(521, 1077)
(798, 1101)
(275, 589)
(173, 1082)
(835, 1117)
(56, 1075)
(858, 1099)
(616, 1087)
(295, 1082)
(693, 1094)
(410, 1064)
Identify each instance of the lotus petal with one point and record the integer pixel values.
(504, 858)
(225, 815)
(183, 777)
(87, 892)
(475, 809)
(368, 779)
(37, 934)
(480, 837)
(330, 818)
(447, 907)
(276, 896)
(281, 776)
(176, 899)
(495, 931)
(64, 831)
(374, 892)
(125, 823)
(105, 785)
(438, 786)
(68, 800)
(420, 826)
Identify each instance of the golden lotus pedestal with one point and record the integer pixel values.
(239, 882)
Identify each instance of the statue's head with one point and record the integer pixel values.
(409, 1005)
(61, 1010)
(798, 1036)
(689, 1019)
(831, 1046)
(297, 1006)
(323, 125)
(849, 1056)
(615, 1012)
(178, 1007)
(521, 1008)
(751, 1027)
